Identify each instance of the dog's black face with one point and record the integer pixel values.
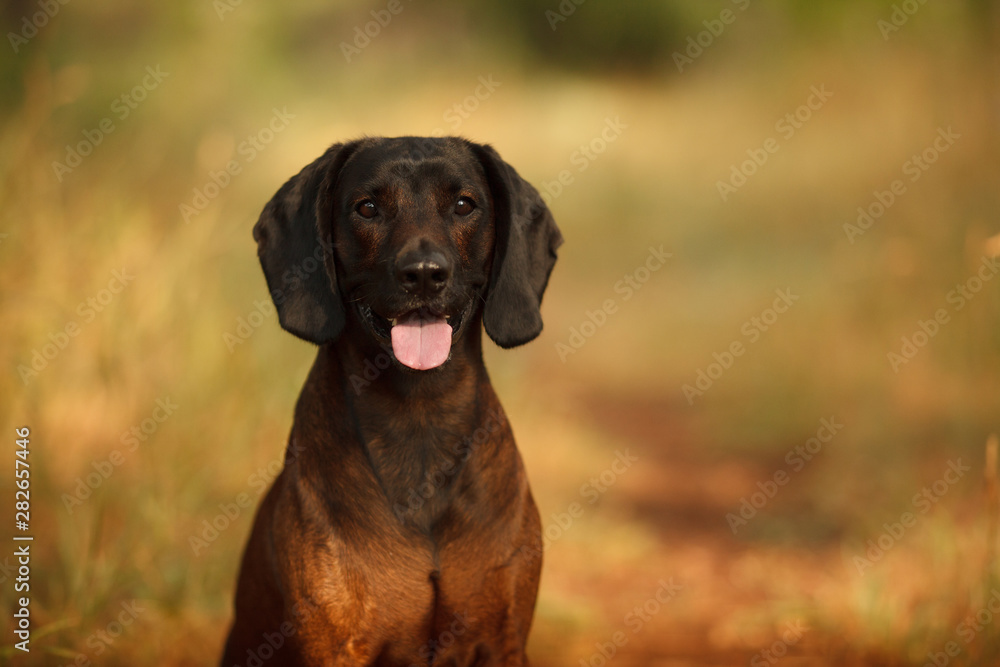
(413, 236)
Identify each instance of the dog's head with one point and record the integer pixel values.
(412, 237)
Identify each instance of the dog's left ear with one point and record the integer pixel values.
(523, 256)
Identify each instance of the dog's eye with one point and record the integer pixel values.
(464, 206)
(366, 209)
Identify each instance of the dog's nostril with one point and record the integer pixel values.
(439, 276)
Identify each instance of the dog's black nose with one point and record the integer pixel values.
(423, 273)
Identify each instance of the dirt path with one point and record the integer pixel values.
(698, 595)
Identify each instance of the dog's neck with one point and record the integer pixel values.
(414, 427)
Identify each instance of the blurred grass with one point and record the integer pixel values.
(162, 336)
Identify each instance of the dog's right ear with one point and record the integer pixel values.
(296, 250)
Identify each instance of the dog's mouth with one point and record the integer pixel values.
(421, 339)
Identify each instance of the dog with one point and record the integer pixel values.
(401, 530)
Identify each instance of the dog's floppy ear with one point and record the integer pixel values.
(296, 250)
(523, 257)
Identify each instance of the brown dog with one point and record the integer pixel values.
(402, 530)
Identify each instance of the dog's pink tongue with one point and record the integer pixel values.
(421, 341)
